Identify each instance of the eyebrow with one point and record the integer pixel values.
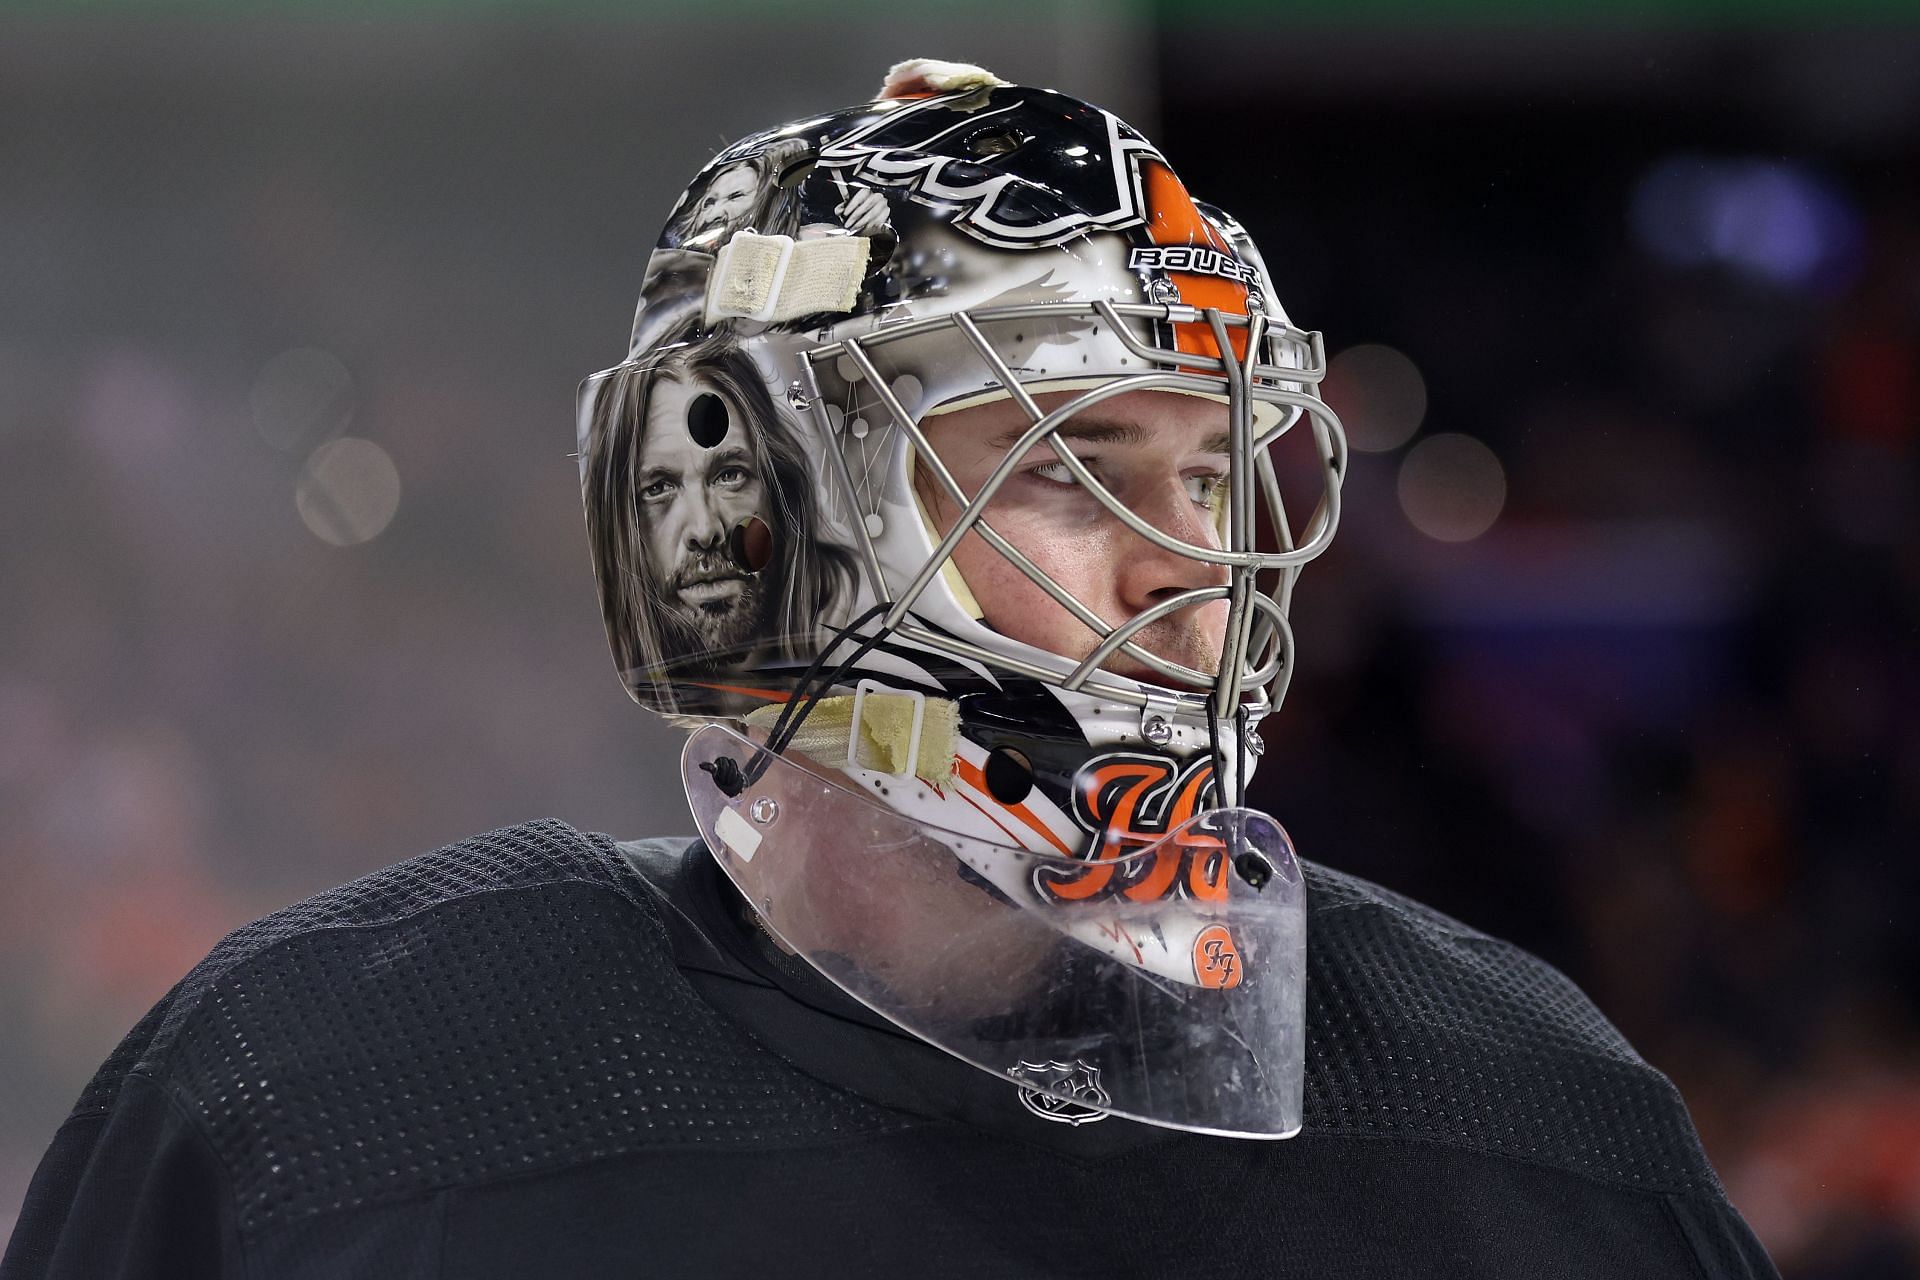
(1091, 429)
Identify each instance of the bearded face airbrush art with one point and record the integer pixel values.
(714, 554)
(700, 478)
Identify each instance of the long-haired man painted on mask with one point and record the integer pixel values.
(712, 516)
(747, 193)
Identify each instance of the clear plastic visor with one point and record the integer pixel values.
(1160, 981)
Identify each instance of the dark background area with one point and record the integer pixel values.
(1647, 704)
(1658, 723)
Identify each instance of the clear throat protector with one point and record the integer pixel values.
(1161, 979)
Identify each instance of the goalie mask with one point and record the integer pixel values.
(946, 486)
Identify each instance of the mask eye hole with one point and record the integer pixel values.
(995, 142)
(751, 544)
(1009, 775)
(707, 420)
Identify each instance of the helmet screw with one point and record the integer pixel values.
(1256, 745)
(1254, 869)
(1164, 291)
(1254, 303)
(1156, 730)
(797, 396)
(764, 810)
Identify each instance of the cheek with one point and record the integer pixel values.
(657, 537)
(1072, 553)
(736, 505)
(1062, 541)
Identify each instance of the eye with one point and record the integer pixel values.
(658, 489)
(731, 476)
(1207, 489)
(1054, 473)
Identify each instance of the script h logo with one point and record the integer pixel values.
(1128, 801)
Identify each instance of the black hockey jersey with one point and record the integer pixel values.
(541, 1053)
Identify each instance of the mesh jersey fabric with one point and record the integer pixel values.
(487, 1061)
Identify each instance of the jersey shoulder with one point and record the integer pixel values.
(503, 1005)
(532, 855)
(1420, 1026)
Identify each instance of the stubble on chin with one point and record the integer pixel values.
(732, 625)
(1186, 642)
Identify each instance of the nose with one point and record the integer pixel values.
(1150, 573)
(700, 523)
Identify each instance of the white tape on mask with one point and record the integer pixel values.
(777, 278)
(737, 834)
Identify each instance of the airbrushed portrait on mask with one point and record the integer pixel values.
(754, 187)
(713, 544)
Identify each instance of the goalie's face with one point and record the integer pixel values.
(1164, 455)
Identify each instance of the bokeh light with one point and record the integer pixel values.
(1378, 393)
(1452, 487)
(348, 492)
(135, 408)
(1767, 220)
(302, 398)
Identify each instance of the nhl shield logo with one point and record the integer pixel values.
(1064, 1092)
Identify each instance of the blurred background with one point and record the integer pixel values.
(1615, 655)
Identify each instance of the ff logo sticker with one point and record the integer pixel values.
(1216, 961)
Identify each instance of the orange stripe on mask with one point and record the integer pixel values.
(1175, 220)
(769, 695)
(970, 774)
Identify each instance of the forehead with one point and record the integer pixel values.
(665, 434)
(736, 180)
(1145, 419)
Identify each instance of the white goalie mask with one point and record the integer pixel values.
(880, 356)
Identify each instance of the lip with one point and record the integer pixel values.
(708, 590)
